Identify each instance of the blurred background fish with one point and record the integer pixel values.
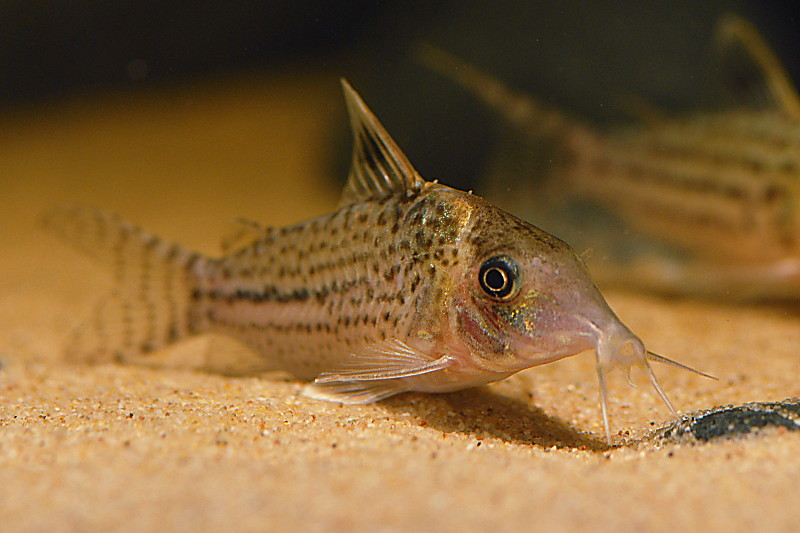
(699, 203)
(99, 98)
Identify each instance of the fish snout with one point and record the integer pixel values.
(618, 347)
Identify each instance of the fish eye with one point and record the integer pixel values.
(499, 276)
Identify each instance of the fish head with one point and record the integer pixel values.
(527, 299)
(490, 289)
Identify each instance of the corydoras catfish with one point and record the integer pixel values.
(408, 286)
(713, 198)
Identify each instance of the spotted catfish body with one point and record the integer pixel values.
(721, 189)
(409, 285)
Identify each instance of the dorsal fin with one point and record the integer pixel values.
(379, 167)
(752, 66)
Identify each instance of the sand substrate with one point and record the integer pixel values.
(131, 448)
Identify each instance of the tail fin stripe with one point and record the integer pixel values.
(153, 280)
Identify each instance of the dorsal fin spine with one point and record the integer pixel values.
(379, 168)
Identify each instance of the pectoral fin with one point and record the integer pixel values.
(353, 392)
(375, 373)
(389, 359)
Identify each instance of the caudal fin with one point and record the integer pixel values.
(149, 305)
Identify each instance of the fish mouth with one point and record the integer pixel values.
(616, 346)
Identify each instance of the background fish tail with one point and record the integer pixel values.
(523, 113)
(149, 305)
(537, 139)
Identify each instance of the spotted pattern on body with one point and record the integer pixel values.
(338, 283)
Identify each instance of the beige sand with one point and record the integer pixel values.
(144, 449)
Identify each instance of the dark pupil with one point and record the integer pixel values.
(495, 279)
(498, 276)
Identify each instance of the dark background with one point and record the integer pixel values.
(581, 56)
